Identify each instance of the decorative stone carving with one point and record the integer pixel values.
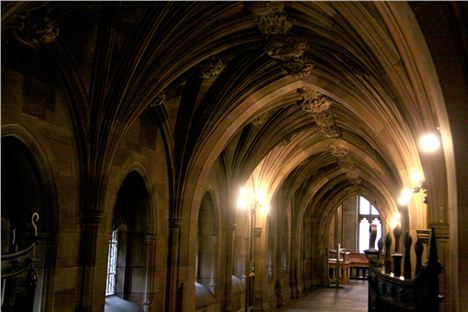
(299, 67)
(270, 17)
(326, 124)
(33, 32)
(159, 100)
(324, 119)
(313, 101)
(330, 132)
(211, 68)
(319, 105)
(285, 48)
(291, 52)
(260, 120)
(353, 177)
(338, 151)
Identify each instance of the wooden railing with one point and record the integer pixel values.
(392, 291)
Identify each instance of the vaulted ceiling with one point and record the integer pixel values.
(316, 100)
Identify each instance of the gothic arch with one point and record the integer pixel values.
(208, 239)
(24, 147)
(133, 234)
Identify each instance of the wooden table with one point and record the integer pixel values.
(344, 271)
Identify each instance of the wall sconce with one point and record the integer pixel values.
(406, 193)
(254, 202)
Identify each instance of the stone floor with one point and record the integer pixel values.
(117, 304)
(349, 298)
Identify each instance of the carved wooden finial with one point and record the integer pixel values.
(408, 241)
(397, 234)
(418, 248)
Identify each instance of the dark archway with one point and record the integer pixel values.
(25, 192)
(129, 264)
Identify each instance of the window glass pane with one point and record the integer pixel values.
(111, 264)
(364, 206)
(363, 235)
(374, 211)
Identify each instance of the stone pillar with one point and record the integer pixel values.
(229, 245)
(174, 291)
(149, 267)
(89, 239)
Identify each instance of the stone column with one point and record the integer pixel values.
(149, 267)
(174, 291)
(89, 237)
(229, 243)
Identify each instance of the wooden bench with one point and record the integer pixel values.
(358, 264)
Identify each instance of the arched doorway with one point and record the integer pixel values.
(206, 261)
(129, 257)
(25, 192)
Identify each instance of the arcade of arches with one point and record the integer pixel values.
(189, 156)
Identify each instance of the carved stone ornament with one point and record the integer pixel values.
(338, 151)
(329, 131)
(270, 18)
(211, 68)
(34, 32)
(159, 100)
(313, 101)
(260, 120)
(299, 67)
(285, 48)
(353, 177)
(292, 54)
(324, 119)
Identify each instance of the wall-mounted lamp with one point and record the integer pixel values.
(429, 142)
(254, 202)
(406, 193)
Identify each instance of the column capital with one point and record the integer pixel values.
(91, 217)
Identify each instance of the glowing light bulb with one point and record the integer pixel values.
(405, 195)
(429, 142)
(242, 200)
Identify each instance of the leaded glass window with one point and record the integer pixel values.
(112, 264)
